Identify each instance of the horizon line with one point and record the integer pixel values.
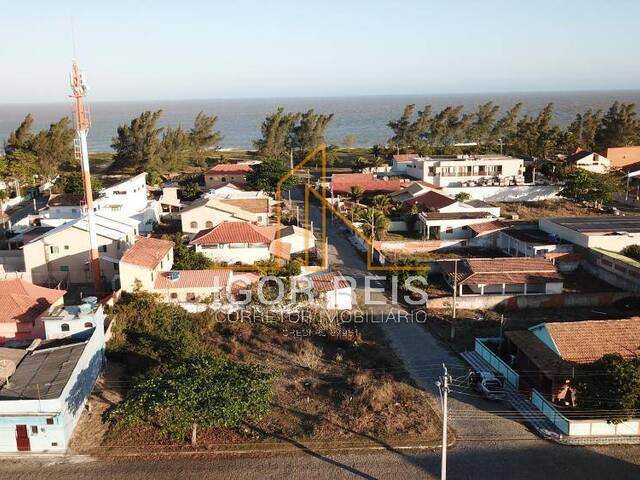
(375, 95)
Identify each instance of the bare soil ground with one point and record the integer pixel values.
(546, 208)
(345, 386)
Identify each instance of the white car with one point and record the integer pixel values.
(490, 386)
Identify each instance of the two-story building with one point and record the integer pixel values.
(44, 388)
(463, 170)
(61, 255)
(209, 212)
(141, 265)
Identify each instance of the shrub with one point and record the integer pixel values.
(632, 251)
(201, 391)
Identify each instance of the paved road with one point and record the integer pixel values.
(508, 460)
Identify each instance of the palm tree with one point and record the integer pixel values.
(376, 221)
(382, 203)
(355, 193)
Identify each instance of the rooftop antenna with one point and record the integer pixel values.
(82, 124)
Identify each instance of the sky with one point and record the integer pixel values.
(150, 50)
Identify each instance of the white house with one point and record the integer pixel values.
(330, 289)
(240, 243)
(462, 170)
(126, 199)
(591, 161)
(65, 321)
(44, 388)
(503, 276)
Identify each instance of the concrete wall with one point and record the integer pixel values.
(520, 193)
(522, 302)
(244, 256)
(618, 273)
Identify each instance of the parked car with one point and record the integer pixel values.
(489, 386)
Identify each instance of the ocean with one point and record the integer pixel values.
(364, 117)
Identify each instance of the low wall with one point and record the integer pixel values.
(511, 377)
(522, 302)
(520, 193)
(611, 268)
(596, 427)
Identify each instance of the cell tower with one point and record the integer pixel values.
(82, 123)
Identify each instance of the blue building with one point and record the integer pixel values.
(44, 387)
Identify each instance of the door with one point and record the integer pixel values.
(22, 438)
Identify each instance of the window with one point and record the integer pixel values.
(64, 268)
(54, 250)
(102, 248)
(209, 224)
(152, 276)
(49, 421)
(66, 247)
(449, 230)
(193, 225)
(116, 267)
(191, 296)
(173, 296)
(88, 325)
(224, 179)
(64, 327)
(34, 429)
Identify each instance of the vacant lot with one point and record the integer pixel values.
(546, 208)
(333, 383)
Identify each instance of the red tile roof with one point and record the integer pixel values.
(487, 227)
(64, 200)
(147, 252)
(511, 271)
(326, 282)
(193, 279)
(233, 232)
(241, 281)
(588, 341)
(431, 200)
(280, 249)
(229, 168)
(21, 301)
(342, 183)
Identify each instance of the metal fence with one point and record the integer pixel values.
(496, 362)
(549, 411)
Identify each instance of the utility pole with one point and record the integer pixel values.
(455, 287)
(443, 386)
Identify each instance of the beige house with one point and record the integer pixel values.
(192, 286)
(211, 212)
(226, 173)
(142, 263)
(61, 255)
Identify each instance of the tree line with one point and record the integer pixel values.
(426, 132)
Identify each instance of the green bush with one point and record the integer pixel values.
(631, 251)
(204, 391)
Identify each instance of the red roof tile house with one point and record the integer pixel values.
(330, 290)
(503, 276)
(547, 354)
(241, 243)
(222, 174)
(22, 306)
(142, 263)
(370, 184)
